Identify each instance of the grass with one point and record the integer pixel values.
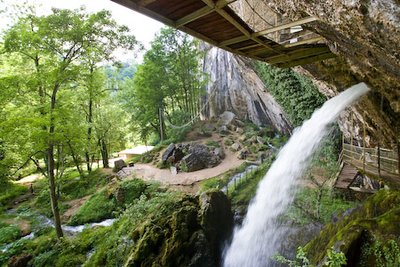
(145, 204)
(222, 180)
(245, 190)
(99, 207)
(74, 187)
(212, 143)
(10, 191)
(109, 201)
(8, 234)
(304, 209)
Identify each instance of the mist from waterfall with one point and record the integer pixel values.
(260, 236)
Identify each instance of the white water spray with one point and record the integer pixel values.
(260, 236)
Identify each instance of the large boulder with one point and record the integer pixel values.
(226, 118)
(216, 219)
(168, 152)
(199, 157)
(118, 165)
(20, 260)
(179, 152)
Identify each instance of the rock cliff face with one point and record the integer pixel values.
(366, 37)
(234, 86)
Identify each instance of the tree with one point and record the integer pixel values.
(56, 50)
(168, 83)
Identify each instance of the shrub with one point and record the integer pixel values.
(10, 191)
(212, 143)
(9, 234)
(98, 207)
(132, 190)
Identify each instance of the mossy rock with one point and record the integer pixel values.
(377, 219)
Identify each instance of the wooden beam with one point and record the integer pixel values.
(169, 22)
(145, 2)
(305, 61)
(234, 40)
(238, 26)
(248, 46)
(286, 25)
(261, 50)
(135, 6)
(193, 16)
(305, 41)
(296, 54)
(202, 12)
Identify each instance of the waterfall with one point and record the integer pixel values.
(260, 236)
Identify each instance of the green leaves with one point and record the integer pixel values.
(170, 79)
(295, 93)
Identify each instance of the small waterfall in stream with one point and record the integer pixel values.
(260, 236)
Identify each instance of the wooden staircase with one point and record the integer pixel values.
(346, 176)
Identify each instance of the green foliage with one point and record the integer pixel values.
(381, 255)
(300, 261)
(132, 190)
(334, 259)
(246, 190)
(222, 180)
(212, 143)
(98, 207)
(169, 82)
(294, 92)
(377, 217)
(73, 186)
(113, 248)
(9, 234)
(10, 191)
(308, 208)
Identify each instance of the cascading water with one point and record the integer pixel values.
(259, 237)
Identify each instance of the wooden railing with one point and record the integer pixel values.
(376, 160)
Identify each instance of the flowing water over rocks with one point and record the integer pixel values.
(260, 236)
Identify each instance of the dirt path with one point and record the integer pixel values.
(74, 205)
(151, 173)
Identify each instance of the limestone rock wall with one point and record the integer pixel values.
(366, 37)
(234, 86)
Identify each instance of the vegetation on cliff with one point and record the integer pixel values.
(298, 96)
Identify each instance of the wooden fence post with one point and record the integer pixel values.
(364, 146)
(379, 159)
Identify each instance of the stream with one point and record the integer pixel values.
(69, 230)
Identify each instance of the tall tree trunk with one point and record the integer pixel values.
(75, 159)
(161, 122)
(104, 153)
(51, 166)
(42, 100)
(89, 133)
(52, 185)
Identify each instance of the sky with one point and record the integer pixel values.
(144, 28)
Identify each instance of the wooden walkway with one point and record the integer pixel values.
(278, 41)
(346, 176)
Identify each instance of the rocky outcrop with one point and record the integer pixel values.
(199, 157)
(119, 165)
(365, 36)
(191, 157)
(216, 220)
(191, 236)
(234, 86)
(359, 230)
